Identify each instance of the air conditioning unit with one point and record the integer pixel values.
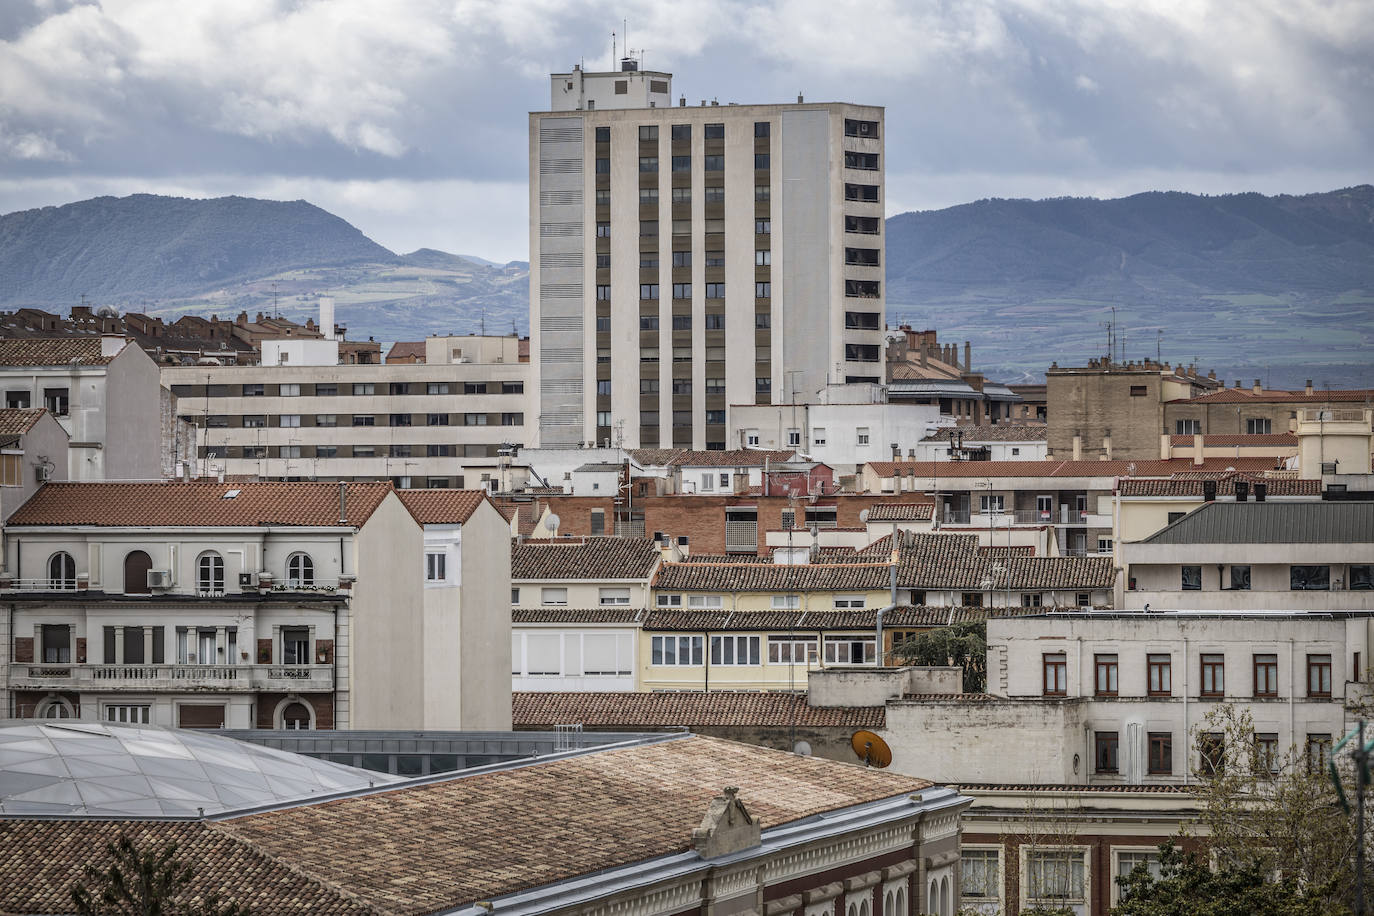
(43, 473)
(159, 578)
(247, 580)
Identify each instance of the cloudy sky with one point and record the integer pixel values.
(407, 117)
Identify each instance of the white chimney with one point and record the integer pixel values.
(327, 316)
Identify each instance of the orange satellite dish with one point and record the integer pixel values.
(871, 749)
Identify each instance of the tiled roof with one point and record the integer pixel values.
(52, 351)
(900, 512)
(652, 457)
(1192, 486)
(1244, 440)
(766, 577)
(1248, 396)
(584, 558)
(15, 421)
(908, 541)
(1016, 573)
(576, 614)
(726, 558)
(992, 432)
(1053, 467)
(42, 859)
(456, 841)
(406, 349)
(823, 620)
(692, 709)
(199, 504)
(442, 507)
(740, 457)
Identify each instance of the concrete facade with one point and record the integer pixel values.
(654, 305)
(843, 435)
(1112, 411)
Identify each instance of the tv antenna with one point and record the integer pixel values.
(276, 313)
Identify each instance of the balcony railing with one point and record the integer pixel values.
(172, 677)
(321, 587)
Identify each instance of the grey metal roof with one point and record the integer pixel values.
(932, 386)
(1272, 523)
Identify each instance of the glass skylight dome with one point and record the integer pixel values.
(99, 768)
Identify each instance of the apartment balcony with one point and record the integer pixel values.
(1063, 517)
(173, 678)
(258, 587)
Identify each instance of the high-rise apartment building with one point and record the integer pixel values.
(688, 258)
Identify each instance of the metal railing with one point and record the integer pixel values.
(173, 677)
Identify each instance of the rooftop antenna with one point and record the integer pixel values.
(483, 323)
(614, 65)
(1159, 344)
(275, 313)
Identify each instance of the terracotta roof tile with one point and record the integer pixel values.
(1244, 440)
(584, 558)
(199, 504)
(622, 615)
(15, 421)
(406, 349)
(692, 709)
(1192, 486)
(1274, 395)
(995, 432)
(900, 512)
(740, 457)
(456, 841)
(52, 351)
(652, 457)
(1053, 467)
(667, 620)
(766, 577)
(442, 507)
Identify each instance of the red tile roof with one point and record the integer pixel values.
(900, 512)
(740, 457)
(1192, 486)
(15, 421)
(992, 432)
(1275, 395)
(822, 620)
(565, 615)
(442, 507)
(775, 577)
(584, 558)
(406, 349)
(1053, 467)
(690, 709)
(1244, 440)
(199, 504)
(52, 351)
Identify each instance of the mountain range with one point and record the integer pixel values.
(1280, 288)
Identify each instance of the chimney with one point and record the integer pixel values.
(968, 357)
(1209, 491)
(1242, 489)
(1197, 449)
(1261, 491)
(343, 503)
(1256, 388)
(1238, 383)
(1307, 388)
(1077, 448)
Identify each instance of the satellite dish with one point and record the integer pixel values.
(551, 523)
(871, 749)
(802, 749)
(863, 516)
(107, 311)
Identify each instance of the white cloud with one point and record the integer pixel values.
(31, 146)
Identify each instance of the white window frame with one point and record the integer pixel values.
(751, 437)
(300, 570)
(992, 504)
(793, 438)
(791, 647)
(746, 646)
(127, 713)
(614, 596)
(818, 436)
(289, 389)
(786, 602)
(861, 436)
(704, 602)
(1150, 852)
(708, 482)
(1082, 855)
(658, 648)
(289, 420)
(999, 856)
(514, 595)
(436, 566)
(668, 601)
(832, 651)
(850, 601)
(207, 578)
(554, 596)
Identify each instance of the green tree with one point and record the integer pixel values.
(963, 644)
(136, 882)
(1186, 886)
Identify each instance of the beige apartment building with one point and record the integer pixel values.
(301, 415)
(689, 257)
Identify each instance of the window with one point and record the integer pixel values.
(715, 385)
(862, 289)
(289, 420)
(19, 399)
(1361, 578)
(681, 195)
(850, 601)
(1161, 754)
(1106, 668)
(1266, 675)
(715, 321)
(56, 400)
(991, 504)
(734, 650)
(861, 321)
(474, 388)
(1055, 875)
(1258, 426)
(1175, 516)
(648, 228)
(603, 195)
(861, 436)
(763, 289)
(784, 650)
(763, 321)
(252, 391)
(1056, 668)
(818, 436)
(715, 290)
(474, 419)
(1187, 427)
(715, 259)
(793, 438)
(210, 574)
(714, 132)
(57, 643)
(364, 451)
(135, 714)
(648, 418)
(603, 292)
(61, 571)
(762, 385)
(603, 230)
(682, 386)
(1211, 753)
(1159, 682)
(648, 290)
(971, 599)
(668, 601)
(1319, 675)
(646, 386)
(866, 161)
(1318, 753)
(762, 193)
(1213, 675)
(763, 227)
(648, 322)
(675, 650)
(786, 602)
(864, 257)
(713, 163)
(682, 322)
(1240, 578)
(326, 391)
(761, 161)
(683, 291)
(648, 132)
(761, 128)
(254, 421)
(1309, 578)
(603, 260)
(436, 419)
(861, 353)
(648, 163)
(1127, 861)
(326, 419)
(682, 132)
(1190, 578)
(981, 875)
(553, 596)
(1105, 745)
(432, 451)
(300, 571)
(364, 389)
(603, 418)
(614, 596)
(715, 195)
(850, 650)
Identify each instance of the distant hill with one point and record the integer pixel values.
(149, 247)
(1243, 282)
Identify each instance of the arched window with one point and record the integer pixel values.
(300, 571)
(136, 566)
(945, 909)
(933, 901)
(887, 904)
(295, 715)
(863, 907)
(210, 574)
(54, 708)
(901, 902)
(62, 570)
